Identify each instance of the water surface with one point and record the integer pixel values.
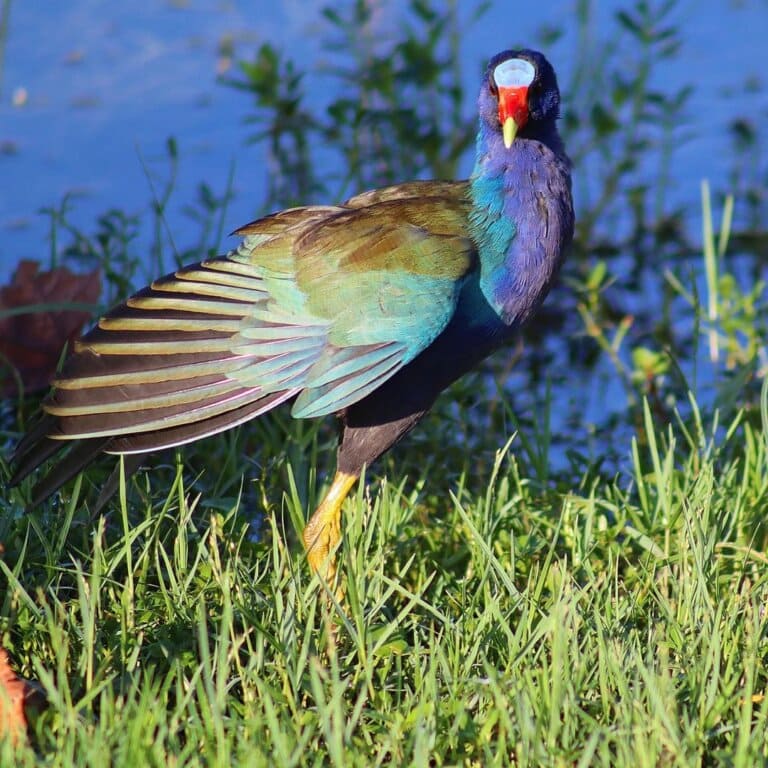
(100, 86)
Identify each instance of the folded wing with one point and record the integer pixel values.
(320, 304)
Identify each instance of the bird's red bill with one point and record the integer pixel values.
(513, 102)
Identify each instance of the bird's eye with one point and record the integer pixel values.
(493, 88)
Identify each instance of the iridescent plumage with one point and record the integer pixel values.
(366, 309)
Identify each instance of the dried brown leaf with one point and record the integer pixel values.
(31, 343)
(17, 697)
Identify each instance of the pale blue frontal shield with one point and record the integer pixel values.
(514, 73)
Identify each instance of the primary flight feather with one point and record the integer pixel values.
(367, 309)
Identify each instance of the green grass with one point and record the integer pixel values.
(487, 621)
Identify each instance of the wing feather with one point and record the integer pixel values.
(143, 442)
(345, 390)
(322, 304)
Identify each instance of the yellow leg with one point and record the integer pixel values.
(323, 531)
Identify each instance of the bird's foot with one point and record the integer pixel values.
(323, 531)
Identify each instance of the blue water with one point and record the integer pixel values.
(107, 83)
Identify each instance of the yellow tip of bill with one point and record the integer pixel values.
(509, 131)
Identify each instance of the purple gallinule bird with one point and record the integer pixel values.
(366, 310)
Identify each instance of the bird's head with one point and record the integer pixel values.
(519, 94)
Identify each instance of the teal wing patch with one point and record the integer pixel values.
(372, 285)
